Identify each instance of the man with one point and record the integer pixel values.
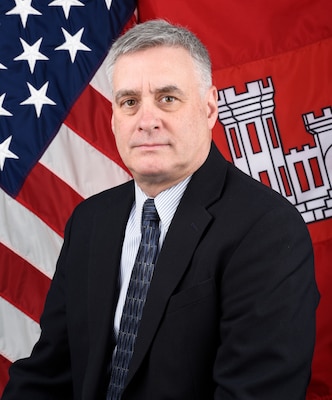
(230, 310)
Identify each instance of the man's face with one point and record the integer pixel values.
(161, 121)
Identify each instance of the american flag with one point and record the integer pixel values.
(56, 145)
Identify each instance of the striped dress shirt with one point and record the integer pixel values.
(166, 204)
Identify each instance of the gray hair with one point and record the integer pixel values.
(156, 33)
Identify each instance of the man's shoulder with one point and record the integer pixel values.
(112, 197)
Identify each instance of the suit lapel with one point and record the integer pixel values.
(106, 246)
(190, 222)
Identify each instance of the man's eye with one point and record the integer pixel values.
(168, 99)
(129, 103)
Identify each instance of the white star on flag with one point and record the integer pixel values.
(38, 98)
(23, 9)
(31, 53)
(73, 43)
(5, 152)
(2, 110)
(2, 66)
(66, 4)
(108, 4)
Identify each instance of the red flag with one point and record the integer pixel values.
(55, 145)
(272, 64)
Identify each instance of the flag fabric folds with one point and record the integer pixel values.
(56, 146)
(272, 63)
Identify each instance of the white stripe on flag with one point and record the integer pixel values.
(14, 344)
(100, 82)
(81, 165)
(28, 236)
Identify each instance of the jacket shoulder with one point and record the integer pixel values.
(107, 197)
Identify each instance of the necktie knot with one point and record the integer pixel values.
(149, 212)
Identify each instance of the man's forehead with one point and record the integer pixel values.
(153, 71)
(166, 89)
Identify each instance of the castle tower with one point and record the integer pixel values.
(321, 128)
(253, 137)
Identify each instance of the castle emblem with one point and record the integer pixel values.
(303, 176)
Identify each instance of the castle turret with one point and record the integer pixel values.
(253, 136)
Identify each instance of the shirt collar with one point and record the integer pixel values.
(166, 202)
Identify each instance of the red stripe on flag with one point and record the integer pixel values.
(50, 198)
(90, 118)
(21, 284)
(4, 366)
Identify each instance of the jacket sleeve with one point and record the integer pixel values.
(268, 300)
(46, 374)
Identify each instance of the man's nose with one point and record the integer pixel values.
(149, 119)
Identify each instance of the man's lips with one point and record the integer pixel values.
(150, 145)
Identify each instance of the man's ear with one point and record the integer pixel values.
(112, 123)
(212, 106)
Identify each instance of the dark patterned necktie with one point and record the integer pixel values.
(135, 299)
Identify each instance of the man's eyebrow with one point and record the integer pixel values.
(169, 89)
(162, 90)
(124, 93)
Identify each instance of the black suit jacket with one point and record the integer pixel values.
(230, 313)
